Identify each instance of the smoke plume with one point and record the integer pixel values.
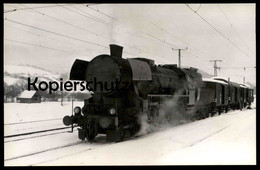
(172, 113)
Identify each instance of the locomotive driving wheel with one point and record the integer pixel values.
(121, 132)
(226, 109)
(219, 111)
(91, 131)
(135, 129)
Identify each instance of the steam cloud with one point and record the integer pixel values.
(171, 114)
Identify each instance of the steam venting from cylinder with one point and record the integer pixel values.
(116, 50)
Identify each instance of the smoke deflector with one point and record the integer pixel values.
(78, 69)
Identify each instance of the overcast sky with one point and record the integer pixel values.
(52, 36)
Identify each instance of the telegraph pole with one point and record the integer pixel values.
(179, 50)
(215, 66)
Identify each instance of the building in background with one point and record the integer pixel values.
(31, 96)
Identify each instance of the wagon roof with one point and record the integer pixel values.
(27, 94)
(234, 84)
(220, 79)
(215, 81)
(245, 86)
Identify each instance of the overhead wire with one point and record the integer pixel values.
(44, 14)
(220, 33)
(41, 46)
(160, 40)
(237, 67)
(65, 35)
(17, 9)
(102, 22)
(154, 37)
(88, 14)
(124, 43)
(222, 11)
(118, 21)
(176, 38)
(41, 13)
(87, 5)
(163, 42)
(162, 29)
(190, 47)
(45, 36)
(54, 33)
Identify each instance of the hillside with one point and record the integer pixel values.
(16, 74)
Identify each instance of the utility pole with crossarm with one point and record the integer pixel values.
(180, 54)
(215, 66)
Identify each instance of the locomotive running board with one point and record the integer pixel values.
(166, 95)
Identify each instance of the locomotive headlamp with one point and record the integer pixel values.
(77, 110)
(112, 111)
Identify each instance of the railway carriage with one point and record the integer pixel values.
(215, 94)
(235, 99)
(234, 93)
(243, 94)
(246, 95)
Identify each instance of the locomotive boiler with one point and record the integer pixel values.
(125, 89)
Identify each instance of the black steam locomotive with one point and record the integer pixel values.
(126, 89)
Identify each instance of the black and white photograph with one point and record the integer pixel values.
(103, 84)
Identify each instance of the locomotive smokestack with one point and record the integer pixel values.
(116, 50)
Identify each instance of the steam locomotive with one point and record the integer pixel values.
(141, 89)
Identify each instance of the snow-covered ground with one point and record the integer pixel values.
(223, 139)
(27, 117)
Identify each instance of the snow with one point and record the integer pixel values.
(11, 80)
(245, 86)
(220, 78)
(217, 140)
(25, 70)
(234, 144)
(213, 80)
(24, 113)
(19, 74)
(224, 139)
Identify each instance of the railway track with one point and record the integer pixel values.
(49, 134)
(34, 132)
(100, 138)
(35, 121)
(54, 153)
(44, 131)
(51, 149)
